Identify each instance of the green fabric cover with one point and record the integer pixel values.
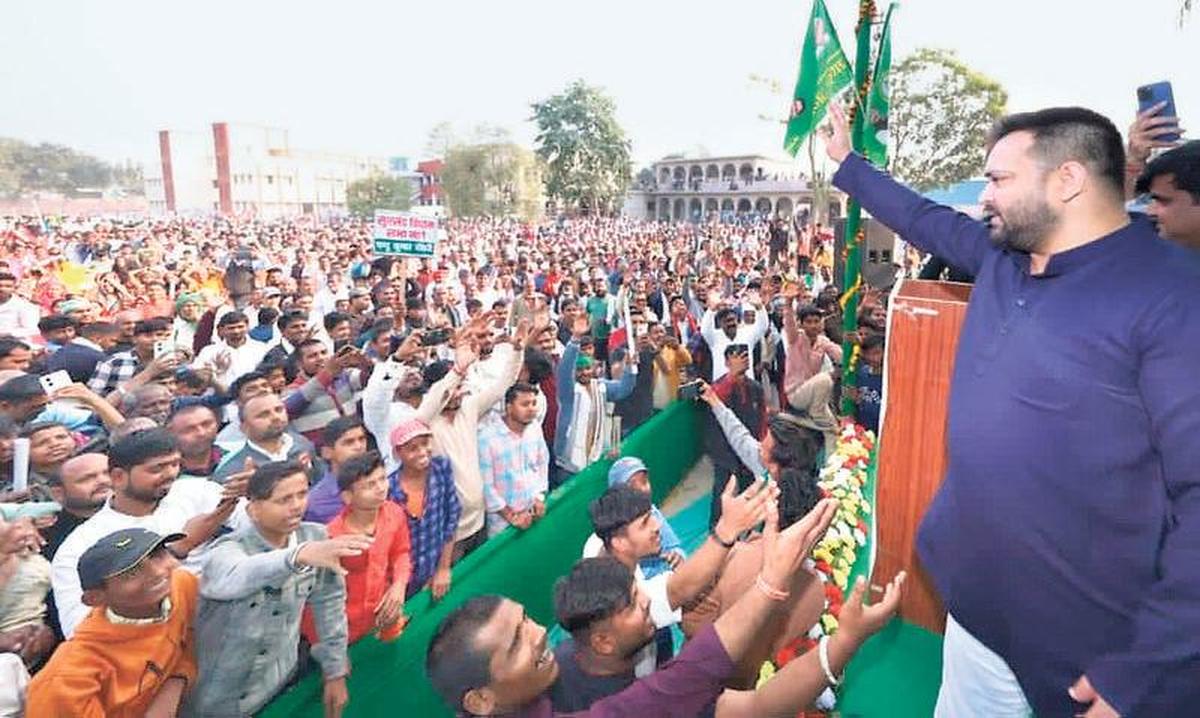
(389, 678)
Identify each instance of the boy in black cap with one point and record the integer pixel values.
(133, 654)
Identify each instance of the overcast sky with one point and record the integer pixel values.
(374, 77)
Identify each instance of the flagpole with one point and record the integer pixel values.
(854, 234)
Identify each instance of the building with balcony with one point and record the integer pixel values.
(696, 189)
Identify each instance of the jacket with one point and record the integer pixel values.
(248, 625)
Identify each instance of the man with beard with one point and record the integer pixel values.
(514, 462)
(1071, 431)
(143, 467)
(82, 486)
(264, 422)
(194, 427)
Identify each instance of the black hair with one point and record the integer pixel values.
(873, 340)
(1182, 163)
(383, 324)
(153, 325)
(267, 315)
(356, 468)
(587, 340)
(290, 317)
(266, 477)
(453, 661)
(808, 310)
(616, 508)
(473, 304)
(731, 349)
(1063, 134)
(21, 387)
(724, 313)
(308, 343)
(333, 319)
(7, 275)
(235, 389)
(55, 322)
(334, 429)
(98, 329)
(795, 450)
(39, 426)
(432, 373)
(141, 446)
(595, 590)
(414, 302)
(183, 408)
(538, 364)
(511, 394)
(10, 344)
(234, 317)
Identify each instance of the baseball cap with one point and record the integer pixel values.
(624, 469)
(409, 430)
(117, 553)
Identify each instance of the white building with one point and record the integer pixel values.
(252, 171)
(695, 189)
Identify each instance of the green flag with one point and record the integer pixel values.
(824, 71)
(875, 136)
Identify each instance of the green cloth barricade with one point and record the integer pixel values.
(389, 678)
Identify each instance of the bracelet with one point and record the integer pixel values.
(770, 591)
(823, 654)
(724, 544)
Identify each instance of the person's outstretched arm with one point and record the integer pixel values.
(931, 227)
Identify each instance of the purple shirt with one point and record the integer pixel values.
(1066, 533)
(680, 689)
(324, 500)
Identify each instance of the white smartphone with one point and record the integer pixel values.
(54, 381)
(162, 349)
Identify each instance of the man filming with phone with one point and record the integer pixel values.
(1171, 179)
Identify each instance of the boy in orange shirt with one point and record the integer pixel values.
(375, 579)
(133, 654)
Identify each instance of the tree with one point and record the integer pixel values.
(47, 167)
(441, 138)
(378, 191)
(588, 167)
(941, 112)
(492, 179)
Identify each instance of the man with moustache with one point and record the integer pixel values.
(1071, 433)
(82, 486)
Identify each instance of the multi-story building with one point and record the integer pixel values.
(251, 170)
(695, 189)
(430, 192)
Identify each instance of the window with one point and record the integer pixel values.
(270, 179)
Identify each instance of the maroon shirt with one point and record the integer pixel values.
(680, 689)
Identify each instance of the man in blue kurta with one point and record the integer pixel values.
(1065, 539)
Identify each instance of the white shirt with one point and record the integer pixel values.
(19, 317)
(186, 499)
(243, 359)
(661, 612)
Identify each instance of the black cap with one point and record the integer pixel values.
(117, 553)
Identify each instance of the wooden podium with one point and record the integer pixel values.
(924, 320)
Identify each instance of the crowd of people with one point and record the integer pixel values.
(229, 449)
(232, 448)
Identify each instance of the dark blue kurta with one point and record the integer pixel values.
(1066, 535)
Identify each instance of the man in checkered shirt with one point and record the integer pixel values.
(125, 371)
(514, 462)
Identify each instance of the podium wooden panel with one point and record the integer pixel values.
(924, 320)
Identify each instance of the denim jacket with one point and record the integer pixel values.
(248, 624)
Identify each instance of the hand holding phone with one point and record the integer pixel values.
(1156, 126)
(54, 381)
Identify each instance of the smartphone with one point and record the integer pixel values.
(54, 381)
(162, 349)
(434, 337)
(1152, 94)
(690, 391)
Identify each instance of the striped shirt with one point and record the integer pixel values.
(434, 528)
(514, 467)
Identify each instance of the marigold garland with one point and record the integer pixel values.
(843, 478)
